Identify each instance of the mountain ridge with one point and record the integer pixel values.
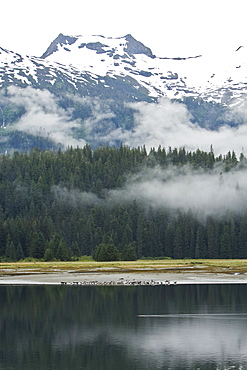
(133, 46)
(117, 72)
(82, 59)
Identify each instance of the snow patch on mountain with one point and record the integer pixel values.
(125, 63)
(218, 77)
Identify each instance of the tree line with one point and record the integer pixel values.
(52, 206)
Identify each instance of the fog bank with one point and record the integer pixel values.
(173, 189)
(43, 116)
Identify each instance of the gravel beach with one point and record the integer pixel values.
(119, 278)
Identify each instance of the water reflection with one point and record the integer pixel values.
(167, 327)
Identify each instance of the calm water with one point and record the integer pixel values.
(99, 328)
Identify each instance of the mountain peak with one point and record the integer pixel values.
(59, 40)
(136, 47)
(89, 63)
(132, 46)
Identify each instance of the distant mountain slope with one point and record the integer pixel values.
(220, 77)
(76, 70)
(95, 65)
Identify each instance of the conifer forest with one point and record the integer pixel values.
(61, 205)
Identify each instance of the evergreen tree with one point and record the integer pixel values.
(178, 243)
(19, 252)
(49, 255)
(75, 250)
(106, 252)
(212, 237)
(233, 239)
(169, 240)
(201, 243)
(225, 243)
(38, 245)
(242, 250)
(62, 253)
(10, 252)
(129, 253)
(140, 236)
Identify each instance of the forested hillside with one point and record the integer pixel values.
(62, 205)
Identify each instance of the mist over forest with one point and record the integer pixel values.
(162, 203)
(149, 179)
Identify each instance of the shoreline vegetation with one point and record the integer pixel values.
(226, 266)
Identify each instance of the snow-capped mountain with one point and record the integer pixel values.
(97, 65)
(81, 89)
(211, 77)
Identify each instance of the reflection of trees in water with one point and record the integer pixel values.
(117, 304)
(75, 325)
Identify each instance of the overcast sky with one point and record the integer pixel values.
(168, 27)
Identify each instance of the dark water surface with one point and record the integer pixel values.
(109, 328)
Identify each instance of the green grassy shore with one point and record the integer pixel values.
(188, 265)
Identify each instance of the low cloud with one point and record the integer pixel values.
(169, 123)
(165, 123)
(43, 116)
(74, 197)
(205, 194)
